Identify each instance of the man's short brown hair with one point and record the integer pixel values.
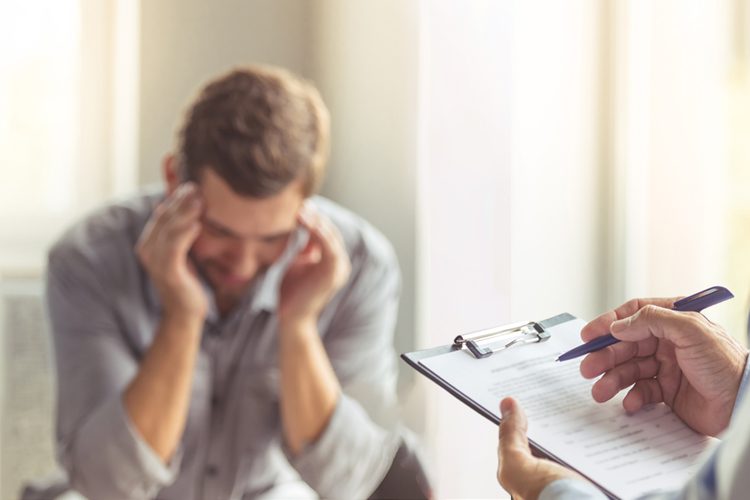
(259, 128)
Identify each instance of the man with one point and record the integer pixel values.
(231, 337)
(678, 358)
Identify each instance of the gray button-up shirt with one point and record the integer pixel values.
(104, 313)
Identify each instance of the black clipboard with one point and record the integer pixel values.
(531, 331)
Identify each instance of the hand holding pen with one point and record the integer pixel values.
(666, 355)
(694, 303)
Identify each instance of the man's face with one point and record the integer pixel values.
(241, 236)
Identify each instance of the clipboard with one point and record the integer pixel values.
(480, 345)
(491, 342)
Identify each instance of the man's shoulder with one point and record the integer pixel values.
(364, 242)
(107, 234)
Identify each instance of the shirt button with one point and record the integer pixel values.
(211, 470)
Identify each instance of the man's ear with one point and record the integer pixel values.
(171, 173)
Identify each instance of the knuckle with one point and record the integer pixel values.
(649, 309)
(632, 305)
(649, 312)
(695, 318)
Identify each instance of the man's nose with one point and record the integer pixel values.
(243, 256)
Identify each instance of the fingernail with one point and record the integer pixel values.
(505, 408)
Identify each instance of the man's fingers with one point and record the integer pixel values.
(179, 198)
(178, 225)
(644, 392)
(653, 321)
(185, 203)
(600, 326)
(624, 376)
(310, 254)
(172, 228)
(513, 453)
(513, 429)
(606, 359)
(325, 234)
(324, 231)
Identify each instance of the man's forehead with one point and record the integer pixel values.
(244, 215)
(247, 232)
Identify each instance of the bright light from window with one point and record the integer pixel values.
(39, 102)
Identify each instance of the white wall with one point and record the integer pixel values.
(185, 42)
(670, 155)
(465, 182)
(558, 237)
(366, 65)
(510, 215)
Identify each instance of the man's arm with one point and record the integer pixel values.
(345, 453)
(98, 445)
(157, 398)
(309, 387)
(119, 422)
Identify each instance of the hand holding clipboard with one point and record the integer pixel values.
(518, 360)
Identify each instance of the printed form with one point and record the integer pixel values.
(628, 455)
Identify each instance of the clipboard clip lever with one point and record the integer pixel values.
(484, 343)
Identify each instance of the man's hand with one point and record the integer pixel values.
(309, 387)
(680, 358)
(163, 251)
(157, 398)
(317, 273)
(521, 474)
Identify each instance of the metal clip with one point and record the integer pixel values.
(482, 344)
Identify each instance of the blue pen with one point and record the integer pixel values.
(697, 303)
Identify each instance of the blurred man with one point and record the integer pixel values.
(678, 358)
(230, 337)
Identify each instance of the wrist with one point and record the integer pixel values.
(294, 322)
(297, 327)
(188, 322)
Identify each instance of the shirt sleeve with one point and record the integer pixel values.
(725, 473)
(96, 442)
(356, 449)
(571, 489)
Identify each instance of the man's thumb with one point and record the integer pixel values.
(513, 426)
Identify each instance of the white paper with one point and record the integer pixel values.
(629, 455)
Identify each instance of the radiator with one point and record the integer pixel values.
(26, 387)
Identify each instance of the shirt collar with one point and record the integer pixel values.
(266, 295)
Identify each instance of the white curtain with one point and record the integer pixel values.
(68, 99)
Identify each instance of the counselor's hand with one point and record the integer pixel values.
(680, 358)
(521, 474)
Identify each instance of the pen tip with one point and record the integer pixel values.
(558, 359)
